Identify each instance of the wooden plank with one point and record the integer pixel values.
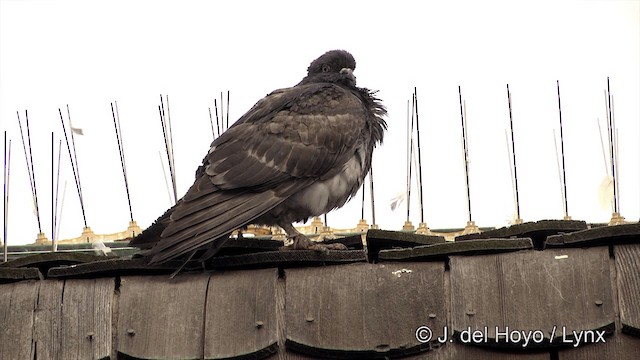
(627, 258)
(378, 240)
(364, 310)
(619, 347)
(283, 353)
(437, 251)
(241, 314)
(86, 318)
(17, 305)
(162, 318)
(605, 235)
(48, 319)
(287, 258)
(50, 259)
(538, 231)
(540, 293)
(248, 245)
(113, 267)
(387, 238)
(8, 274)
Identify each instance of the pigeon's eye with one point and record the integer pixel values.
(325, 68)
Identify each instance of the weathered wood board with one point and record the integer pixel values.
(17, 305)
(364, 309)
(162, 318)
(627, 258)
(48, 318)
(545, 294)
(240, 315)
(86, 318)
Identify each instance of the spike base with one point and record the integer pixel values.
(42, 239)
(471, 228)
(362, 225)
(616, 219)
(408, 226)
(423, 229)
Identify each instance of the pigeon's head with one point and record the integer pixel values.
(333, 66)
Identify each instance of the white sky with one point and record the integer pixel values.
(89, 53)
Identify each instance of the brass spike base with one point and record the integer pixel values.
(326, 234)
(423, 229)
(42, 239)
(471, 228)
(616, 219)
(408, 226)
(87, 234)
(317, 225)
(362, 225)
(133, 229)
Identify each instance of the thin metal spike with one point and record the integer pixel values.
(167, 145)
(465, 151)
(410, 157)
(513, 153)
(116, 124)
(5, 198)
(560, 181)
(53, 213)
(513, 185)
(56, 218)
(419, 173)
(33, 172)
(173, 163)
(166, 181)
(213, 133)
(612, 147)
(371, 193)
(228, 92)
(564, 174)
(76, 174)
(27, 158)
(75, 160)
(222, 111)
(363, 201)
(64, 196)
(220, 128)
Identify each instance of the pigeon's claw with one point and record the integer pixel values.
(334, 246)
(302, 242)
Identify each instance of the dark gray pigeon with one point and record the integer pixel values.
(299, 152)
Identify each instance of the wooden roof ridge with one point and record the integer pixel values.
(574, 299)
(622, 233)
(538, 231)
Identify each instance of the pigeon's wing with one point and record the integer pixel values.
(285, 143)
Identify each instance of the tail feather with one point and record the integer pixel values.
(212, 231)
(151, 235)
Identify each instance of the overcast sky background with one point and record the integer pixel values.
(89, 53)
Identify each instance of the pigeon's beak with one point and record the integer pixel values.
(348, 73)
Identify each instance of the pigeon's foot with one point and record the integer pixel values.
(301, 242)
